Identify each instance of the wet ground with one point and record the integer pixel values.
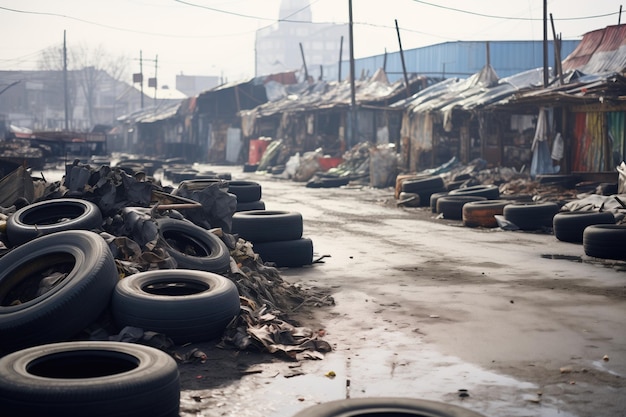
(503, 323)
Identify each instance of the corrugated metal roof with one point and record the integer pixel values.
(600, 51)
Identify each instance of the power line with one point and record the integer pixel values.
(509, 17)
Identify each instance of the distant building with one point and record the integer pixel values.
(279, 48)
(455, 59)
(192, 85)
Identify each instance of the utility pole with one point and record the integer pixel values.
(545, 43)
(406, 78)
(65, 92)
(352, 133)
(340, 57)
(141, 72)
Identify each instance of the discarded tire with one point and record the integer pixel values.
(51, 216)
(451, 206)
(253, 205)
(482, 213)
(193, 247)
(433, 200)
(94, 379)
(409, 199)
(568, 226)
(385, 406)
(490, 191)
(531, 216)
(185, 305)
(54, 286)
(286, 253)
(606, 241)
(267, 225)
(425, 187)
(246, 191)
(422, 184)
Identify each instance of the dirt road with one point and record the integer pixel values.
(427, 308)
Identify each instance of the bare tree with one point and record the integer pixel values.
(91, 70)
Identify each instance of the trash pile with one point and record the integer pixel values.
(134, 210)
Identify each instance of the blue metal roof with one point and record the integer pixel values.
(458, 59)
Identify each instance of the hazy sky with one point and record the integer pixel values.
(216, 37)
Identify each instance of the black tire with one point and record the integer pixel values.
(69, 306)
(422, 184)
(253, 205)
(51, 216)
(93, 379)
(531, 216)
(385, 406)
(320, 181)
(451, 207)
(246, 191)
(267, 225)
(605, 241)
(482, 213)
(193, 247)
(286, 253)
(490, 192)
(250, 167)
(185, 305)
(433, 200)
(568, 226)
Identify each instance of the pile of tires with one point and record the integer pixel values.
(248, 195)
(450, 204)
(569, 226)
(72, 379)
(424, 187)
(276, 236)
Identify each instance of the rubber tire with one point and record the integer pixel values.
(568, 226)
(482, 213)
(67, 308)
(531, 216)
(213, 254)
(433, 200)
(187, 306)
(96, 379)
(605, 241)
(49, 216)
(253, 205)
(422, 184)
(385, 406)
(490, 191)
(286, 253)
(267, 225)
(451, 206)
(246, 191)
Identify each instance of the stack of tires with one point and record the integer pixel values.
(276, 236)
(596, 230)
(421, 188)
(452, 204)
(248, 195)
